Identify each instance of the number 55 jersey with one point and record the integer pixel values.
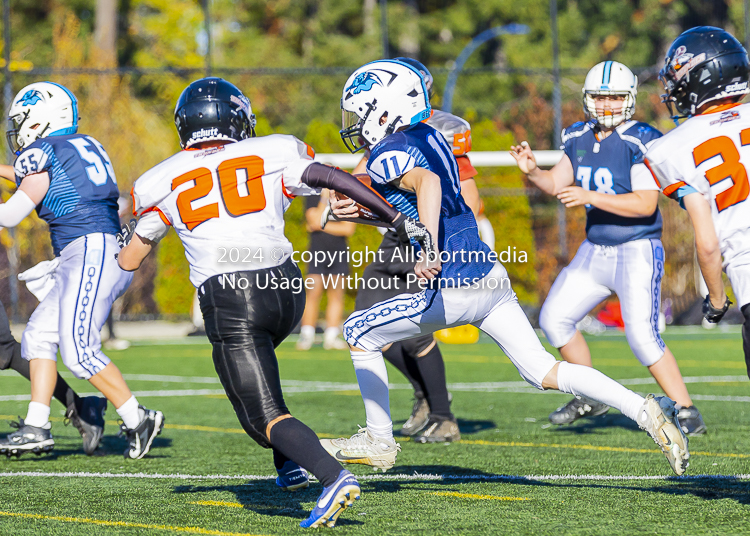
(708, 154)
(613, 166)
(226, 203)
(82, 195)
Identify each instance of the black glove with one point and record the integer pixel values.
(711, 313)
(126, 234)
(408, 228)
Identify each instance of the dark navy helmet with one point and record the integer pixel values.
(704, 65)
(212, 109)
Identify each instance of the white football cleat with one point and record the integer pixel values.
(658, 417)
(363, 448)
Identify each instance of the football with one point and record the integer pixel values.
(363, 212)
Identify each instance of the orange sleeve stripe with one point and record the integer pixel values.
(672, 188)
(132, 199)
(465, 168)
(645, 161)
(310, 151)
(283, 188)
(161, 215)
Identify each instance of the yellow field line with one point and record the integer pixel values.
(219, 503)
(602, 448)
(232, 505)
(589, 447)
(105, 523)
(480, 497)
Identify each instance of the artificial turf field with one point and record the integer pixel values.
(511, 474)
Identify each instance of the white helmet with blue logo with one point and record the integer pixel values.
(614, 79)
(379, 99)
(39, 110)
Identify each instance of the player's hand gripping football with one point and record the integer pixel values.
(126, 234)
(343, 208)
(524, 157)
(714, 314)
(407, 228)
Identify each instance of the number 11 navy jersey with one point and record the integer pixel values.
(82, 195)
(458, 238)
(605, 167)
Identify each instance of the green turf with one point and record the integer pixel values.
(506, 434)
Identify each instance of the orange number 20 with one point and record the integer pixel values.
(730, 168)
(241, 190)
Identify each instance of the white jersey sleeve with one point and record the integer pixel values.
(153, 225)
(226, 203)
(709, 154)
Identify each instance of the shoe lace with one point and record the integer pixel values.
(16, 424)
(358, 441)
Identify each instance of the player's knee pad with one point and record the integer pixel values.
(416, 346)
(645, 342)
(557, 327)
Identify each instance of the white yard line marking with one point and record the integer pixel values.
(395, 477)
(301, 386)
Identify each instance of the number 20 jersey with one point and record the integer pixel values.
(709, 153)
(226, 203)
(613, 166)
(82, 195)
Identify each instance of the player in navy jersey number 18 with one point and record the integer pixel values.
(69, 180)
(412, 166)
(603, 169)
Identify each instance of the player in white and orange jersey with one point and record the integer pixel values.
(702, 163)
(225, 195)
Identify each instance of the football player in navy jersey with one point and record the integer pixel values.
(69, 180)
(411, 165)
(603, 169)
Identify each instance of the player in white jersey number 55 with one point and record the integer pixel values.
(225, 195)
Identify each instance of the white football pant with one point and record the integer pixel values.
(494, 309)
(633, 270)
(87, 282)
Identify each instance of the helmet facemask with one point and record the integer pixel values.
(351, 128)
(608, 120)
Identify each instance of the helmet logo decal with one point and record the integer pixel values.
(682, 69)
(243, 102)
(205, 133)
(364, 82)
(30, 98)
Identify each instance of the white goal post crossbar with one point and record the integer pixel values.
(478, 159)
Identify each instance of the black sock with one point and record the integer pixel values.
(300, 444)
(63, 391)
(279, 459)
(407, 367)
(432, 369)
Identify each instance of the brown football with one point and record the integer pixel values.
(364, 212)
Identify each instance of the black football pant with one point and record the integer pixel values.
(419, 358)
(246, 319)
(10, 358)
(746, 335)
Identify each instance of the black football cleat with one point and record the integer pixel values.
(438, 431)
(691, 421)
(142, 436)
(89, 421)
(26, 439)
(576, 409)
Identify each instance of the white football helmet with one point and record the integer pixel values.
(379, 99)
(39, 110)
(610, 78)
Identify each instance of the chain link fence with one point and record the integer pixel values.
(130, 113)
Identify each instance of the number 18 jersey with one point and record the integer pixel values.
(226, 203)
(613, 166)
(708, 154)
